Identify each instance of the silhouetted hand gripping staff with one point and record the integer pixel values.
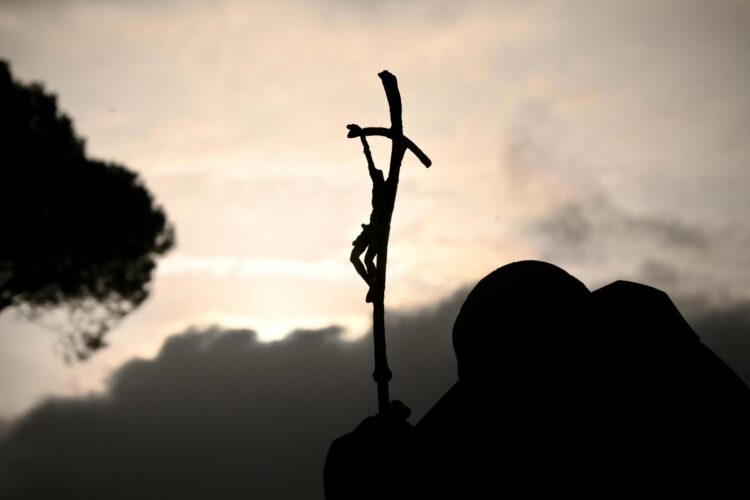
(374, 236)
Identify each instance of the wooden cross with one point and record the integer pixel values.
(374, 236)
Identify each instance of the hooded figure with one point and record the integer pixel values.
(560, 389)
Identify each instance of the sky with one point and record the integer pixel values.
(608, 138)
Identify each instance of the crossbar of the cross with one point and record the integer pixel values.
(357, 131)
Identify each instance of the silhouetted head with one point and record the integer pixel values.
(516, 319)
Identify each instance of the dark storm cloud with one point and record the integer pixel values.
(4, 428)
(569, 225)
(659, 249)
(656, 271)
(578, 223)
(218, 414)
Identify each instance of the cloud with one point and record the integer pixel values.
(659, 271)
(4, 428)
(221, 267)
(603, 240)
(576, 224)
(592, 231)
(218, 414)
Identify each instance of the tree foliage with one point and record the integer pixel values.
(74, 232)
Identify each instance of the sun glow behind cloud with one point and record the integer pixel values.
(232, 267)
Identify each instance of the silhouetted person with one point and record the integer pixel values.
(560, 390)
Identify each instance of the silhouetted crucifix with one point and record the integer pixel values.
(373, 240)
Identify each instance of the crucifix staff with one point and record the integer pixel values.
(374, 236)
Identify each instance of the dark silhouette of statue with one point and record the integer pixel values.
(367, 241)
(79, 233)
(560, 390)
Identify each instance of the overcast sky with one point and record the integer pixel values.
(609, 138)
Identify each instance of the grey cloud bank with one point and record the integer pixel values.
(218, 414)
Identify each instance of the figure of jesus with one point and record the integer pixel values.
(368, 241)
